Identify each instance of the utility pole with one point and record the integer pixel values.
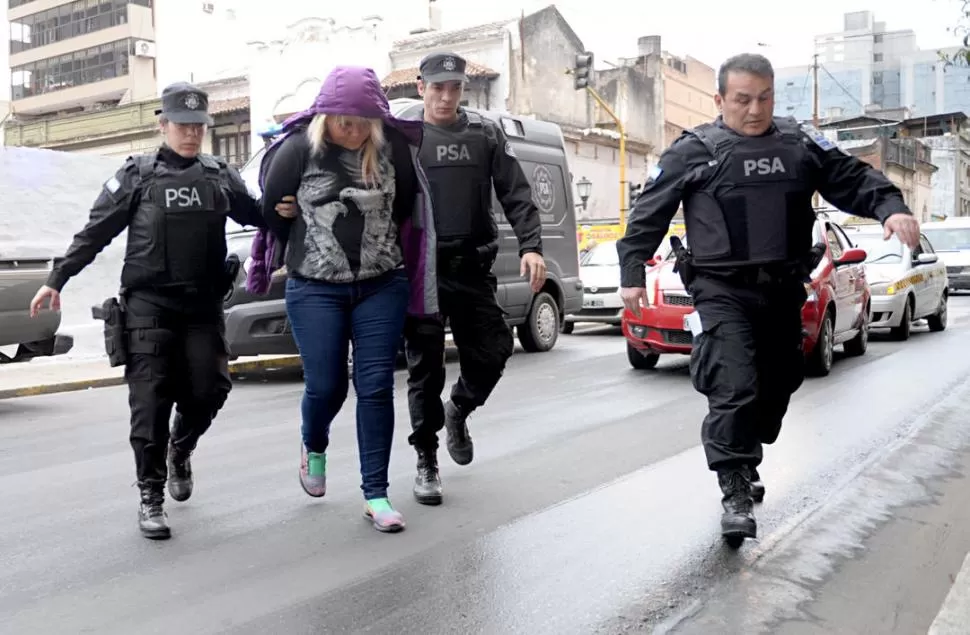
(815, 201)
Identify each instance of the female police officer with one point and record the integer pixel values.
(174, 202)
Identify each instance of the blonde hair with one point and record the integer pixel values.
(370, 156)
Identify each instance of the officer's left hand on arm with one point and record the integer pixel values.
(535, 266)
(287, 207)
(906, 228)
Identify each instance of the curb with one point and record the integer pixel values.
(955, 612)
(236, 369)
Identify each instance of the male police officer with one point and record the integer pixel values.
(168, 328)
(746, 182)
(463, 154)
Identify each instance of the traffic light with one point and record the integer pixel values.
(583, 70)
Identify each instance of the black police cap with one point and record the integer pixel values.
(442, 67)
(184, 103)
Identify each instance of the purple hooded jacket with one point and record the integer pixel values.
(356, 91)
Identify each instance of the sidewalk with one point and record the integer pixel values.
(51, 375)
(954, 615)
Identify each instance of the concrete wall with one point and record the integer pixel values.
(688, 97)
(600, 164)
(540, 86)
(636, 95)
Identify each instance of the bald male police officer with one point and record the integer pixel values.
(463, 155)
(168, 328)
(746, 182)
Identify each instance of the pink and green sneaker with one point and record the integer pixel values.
(384, 517)
(313, 473)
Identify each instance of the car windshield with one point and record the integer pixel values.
(878, 250)
(601, 255)
(948, 239)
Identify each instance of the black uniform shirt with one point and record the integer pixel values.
(511, 186)
(118, 200)
(842, 179)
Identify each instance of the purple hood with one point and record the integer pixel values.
(356, 91)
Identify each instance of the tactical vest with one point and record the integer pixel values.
(755, 207)
(177, 234)
(459, 168)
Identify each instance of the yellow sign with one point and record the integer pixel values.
(589, 235)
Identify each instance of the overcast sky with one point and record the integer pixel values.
(710, 30)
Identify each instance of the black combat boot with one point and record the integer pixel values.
(460, 445)
(737, 522)
(427, 484)
(179, 473)
(152, 520)
(757, 487)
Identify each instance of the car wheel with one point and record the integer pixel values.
(902, 332)
(937, 321)
(858, 345)
(820, 362)
(541, 329)
(640, 360)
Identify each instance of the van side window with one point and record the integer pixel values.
(512, 127)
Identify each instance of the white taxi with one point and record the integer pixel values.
(906, 285)
(599, 270)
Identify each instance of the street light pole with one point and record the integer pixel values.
(622, 131)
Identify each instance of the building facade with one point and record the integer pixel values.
(71, 55)
(868, 67)
(512, 67)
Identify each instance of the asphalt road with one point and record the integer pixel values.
(588, 508)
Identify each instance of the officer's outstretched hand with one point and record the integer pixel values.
(287, 207)
(535, 266)
(906, 228)
(45, 293)
(634, 299)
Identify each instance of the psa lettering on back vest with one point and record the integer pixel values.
(459, 168)
(756, 205)
(177, 235)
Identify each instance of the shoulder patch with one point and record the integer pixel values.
(112, 185)
(509, 150)
(654, 174)
(818, 138)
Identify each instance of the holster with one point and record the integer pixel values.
(112, 314)
(684, 262)
(468, 261)
(815, 255)
(232, 270)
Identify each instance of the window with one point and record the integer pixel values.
(233, 147)
(877, 57)
(835, 245)
(68, 21)
(87, 66)
(877, 38)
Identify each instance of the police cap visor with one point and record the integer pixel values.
(438, 68)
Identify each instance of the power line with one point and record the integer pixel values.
(854, 98)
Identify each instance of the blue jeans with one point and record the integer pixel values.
(325, 318)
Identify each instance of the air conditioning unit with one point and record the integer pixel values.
(144, 48)
(208, 7)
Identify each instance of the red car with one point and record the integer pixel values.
(837, 310)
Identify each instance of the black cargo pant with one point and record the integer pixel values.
(748, 361)
(466, 296)
(175, 358)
